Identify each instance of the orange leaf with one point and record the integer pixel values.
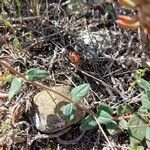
(128, 25)
(3, 95)
(127, 19)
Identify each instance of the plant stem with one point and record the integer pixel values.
(130, 116)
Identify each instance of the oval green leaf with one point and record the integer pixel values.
(15, 87)
(145, 85)
(123, 124)
(69, 111)
(104, 114)
(79, 92)
(145, 98)
(136, 131)
(111, 127)
(36, 74)
(120, 110)
(104, 117)
(88, 123)
(105, 108)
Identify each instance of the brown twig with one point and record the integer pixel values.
(130, 116)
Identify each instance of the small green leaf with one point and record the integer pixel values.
(123, 124)
(79, 92)
(69, 111)
(128, 109)
(104, 114)
(120, 110)
(106, 108)
(16, 43)
(124, 109)
(15, 87)
(111, 127)
(88, 123)
(136, 148)
(146, 100)
(145, 85)
(143, 109)
(104, 117)
(136, 131)
(36, 74)
(147, 137)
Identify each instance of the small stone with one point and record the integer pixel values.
(47, 110)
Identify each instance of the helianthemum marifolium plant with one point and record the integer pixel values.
(77, 94)
(103, 114)
(138, 125)
(142, 19)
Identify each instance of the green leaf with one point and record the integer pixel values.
(145, 98)
(123, 124)
(137, 148)
(124, 109)
(69, 111)
(15, 87)
(147, 137)
(104, 117)
(143, 109)
(111, 127)
(104, 114)
(128, 109)
(79, 92)
(88, 123)
(145, 85)
(36, 74)
(106, 108)
(136, 131)
(16, 43)
(120, 110)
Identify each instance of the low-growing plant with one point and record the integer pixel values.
(136, 122)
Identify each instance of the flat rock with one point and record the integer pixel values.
(47, 110)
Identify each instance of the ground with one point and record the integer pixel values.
(43, 35)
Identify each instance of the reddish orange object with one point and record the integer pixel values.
(128, 22)
(3, 95)
(74, 57)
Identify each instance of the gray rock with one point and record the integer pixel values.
(47, 110)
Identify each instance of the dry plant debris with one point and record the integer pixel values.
(46, 44)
